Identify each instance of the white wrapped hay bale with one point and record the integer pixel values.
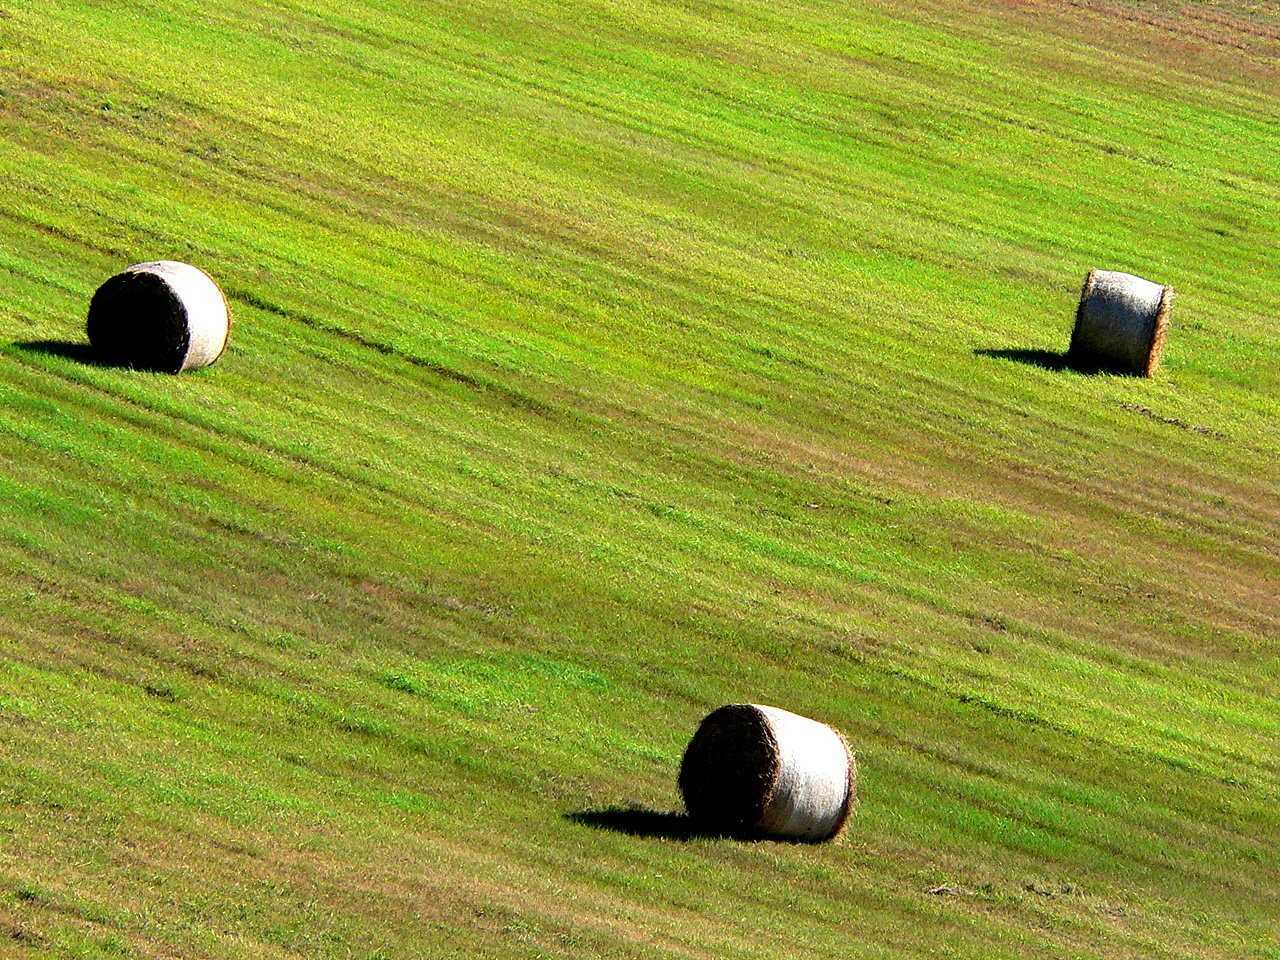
(1120, 323)
(752, 770)
(164, 315)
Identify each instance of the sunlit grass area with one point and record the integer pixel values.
(598, 364)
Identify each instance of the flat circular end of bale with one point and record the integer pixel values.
(851, 790)
(163, 316)
(730, 770)
(1074, 348)
(1156, 353)
(136, 320)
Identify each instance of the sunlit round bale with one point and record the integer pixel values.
(1120, 323)
(164, 315)
(756, 771)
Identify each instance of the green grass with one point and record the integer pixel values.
(597, 364)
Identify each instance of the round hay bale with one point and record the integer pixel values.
(752, 770)
(164, 315)
(1120, 323)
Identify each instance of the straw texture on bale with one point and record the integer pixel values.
(1120, 323)
(164, 315)
(752, 770)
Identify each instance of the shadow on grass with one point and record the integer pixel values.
(79, 352)
(642, 822)
(1044, 359)
(1053, 361)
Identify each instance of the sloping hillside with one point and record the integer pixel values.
(599, 363)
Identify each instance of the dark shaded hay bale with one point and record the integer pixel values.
(164, 315)
(753, 770)
(1120, 323)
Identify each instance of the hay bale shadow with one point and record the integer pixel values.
(79, 352)
(643, 822)
(1051, 360)
(1044, 359)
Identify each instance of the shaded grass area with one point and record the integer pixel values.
(1051, 360)
(596, 367)
(67, 349)
(642, 822)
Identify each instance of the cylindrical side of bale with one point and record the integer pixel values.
(752, 770)
(164, 315)
(1120, 323)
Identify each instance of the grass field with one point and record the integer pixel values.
(599, 363)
